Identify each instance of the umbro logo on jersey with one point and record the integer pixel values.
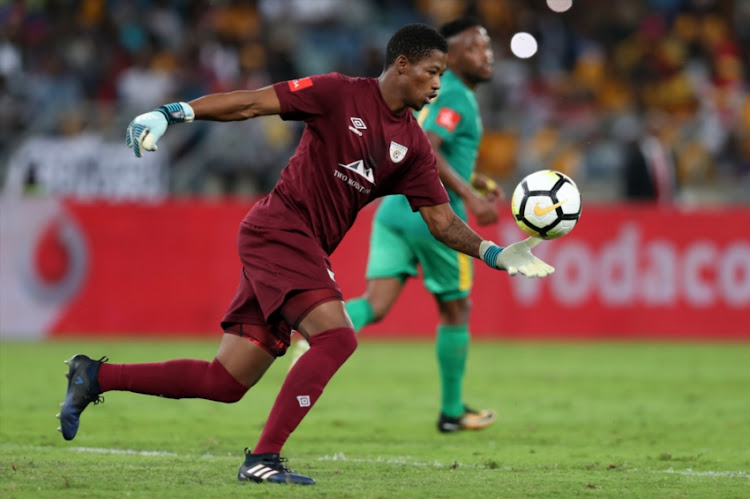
(304, 400)
(358, 167)
(357, 125)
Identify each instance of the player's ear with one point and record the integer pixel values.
(401, 64)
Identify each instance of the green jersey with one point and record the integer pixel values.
(454, 116)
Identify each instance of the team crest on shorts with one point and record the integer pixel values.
(397, 152)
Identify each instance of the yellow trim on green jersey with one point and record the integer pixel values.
(465, 272)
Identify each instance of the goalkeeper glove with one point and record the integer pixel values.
(146, 129)
(515, 258)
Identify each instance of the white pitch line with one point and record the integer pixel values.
(401, 462)
(690, 472)
(99, 450)
(130, 452)
(339, 456)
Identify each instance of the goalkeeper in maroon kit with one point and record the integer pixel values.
(360, 142)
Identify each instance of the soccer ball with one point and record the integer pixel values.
(546, 204)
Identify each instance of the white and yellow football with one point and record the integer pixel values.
(546, 204)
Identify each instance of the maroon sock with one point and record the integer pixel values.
(304, 384)
(174, 379)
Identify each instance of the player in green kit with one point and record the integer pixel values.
(400, 240)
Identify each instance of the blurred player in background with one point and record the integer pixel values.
(400, 239)
(360, 142)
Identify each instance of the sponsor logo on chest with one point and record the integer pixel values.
(361, 170)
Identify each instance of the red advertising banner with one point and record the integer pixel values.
(624, 271)
(171, 268)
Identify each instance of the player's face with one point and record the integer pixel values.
(474, 56)
(423, 79)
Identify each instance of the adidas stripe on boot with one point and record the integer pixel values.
(269, 468)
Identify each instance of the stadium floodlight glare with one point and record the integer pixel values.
(559, 5)
(523, 45)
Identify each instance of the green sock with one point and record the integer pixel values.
(452, 350)
(360, 311)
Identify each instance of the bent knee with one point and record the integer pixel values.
(229, 393)
(345, 342)
(349, 342)
(455, 312)
(340, 342)
(234, 396)
(221, 386)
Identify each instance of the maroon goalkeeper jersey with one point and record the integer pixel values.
(353, 150)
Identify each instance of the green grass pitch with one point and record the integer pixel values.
(575, 420)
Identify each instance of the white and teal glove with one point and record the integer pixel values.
(146, 129)
(515, 258)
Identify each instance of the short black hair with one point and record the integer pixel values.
(414, 41)
(456, 26)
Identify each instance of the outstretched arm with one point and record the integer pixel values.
(236, 106)
(449, 229)
(145, 130)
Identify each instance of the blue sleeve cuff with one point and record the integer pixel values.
(177, 112)
(490, 256)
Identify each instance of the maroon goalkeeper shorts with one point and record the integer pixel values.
(284, 275)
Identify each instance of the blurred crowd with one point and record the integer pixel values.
(642, 99)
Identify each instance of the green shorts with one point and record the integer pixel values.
(446, 273)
